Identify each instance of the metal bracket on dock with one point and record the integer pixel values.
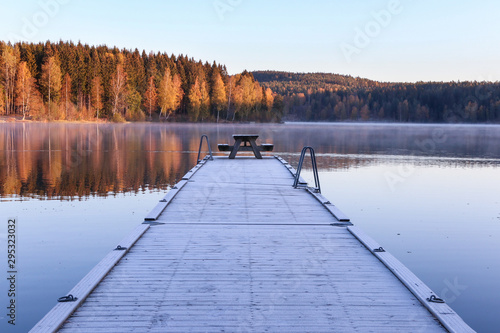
(317, 187)
(380, 249)
(435, 299)
(69, 298)
(209, 148)
(120, 248)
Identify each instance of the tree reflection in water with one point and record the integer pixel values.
(66, 161)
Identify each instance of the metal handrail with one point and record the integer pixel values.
(314, 167)
(209, 149)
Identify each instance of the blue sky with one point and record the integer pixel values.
(386, 40)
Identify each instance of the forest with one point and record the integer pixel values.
(333, 97)
(67, 81)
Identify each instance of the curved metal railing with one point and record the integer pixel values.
(314, 167)
(209, 149)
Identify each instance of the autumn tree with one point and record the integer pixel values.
(165, 94)
(151, 96)
(51, 80)
(96, 95)
(66, 95)
(268, 99)
(2, 100)
(170, 93)
(177, 92)
(118, 89)
(236, 95)
(219, 96)
(204, 99)
(247, 91)
(231, 89)
(257, 101)
(25, 89)
(194, 101)
(8, 62)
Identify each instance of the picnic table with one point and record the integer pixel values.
(249, 144)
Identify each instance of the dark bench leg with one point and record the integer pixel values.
(256, 150)
(236, 147)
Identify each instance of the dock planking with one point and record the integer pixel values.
(235, 248)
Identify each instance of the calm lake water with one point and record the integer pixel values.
(426, 193)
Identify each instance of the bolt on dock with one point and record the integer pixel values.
(234, 247)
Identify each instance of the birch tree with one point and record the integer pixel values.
(25, 89)
(66, 94)
(170, 93)
(194, 101)
(96, 95)
(151, 96)
(219, 96)
(51, 80)
(204, 99)
(118, 89)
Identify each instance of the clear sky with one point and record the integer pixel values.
(386, 40)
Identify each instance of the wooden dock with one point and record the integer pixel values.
(234, 247)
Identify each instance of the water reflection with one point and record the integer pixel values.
(80, 160)
(62, 161)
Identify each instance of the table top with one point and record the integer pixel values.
(245, 136)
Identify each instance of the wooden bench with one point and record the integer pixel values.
(224, 147)
(266, 147)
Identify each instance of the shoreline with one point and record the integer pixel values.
(16, 119)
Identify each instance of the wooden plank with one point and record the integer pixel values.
(56, 317)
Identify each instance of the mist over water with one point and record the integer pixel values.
(68, 160)
(427, 193)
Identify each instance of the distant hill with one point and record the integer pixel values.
(286, 83)
(334, 97)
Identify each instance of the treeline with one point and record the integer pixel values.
(57, 81)
(332, 97)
